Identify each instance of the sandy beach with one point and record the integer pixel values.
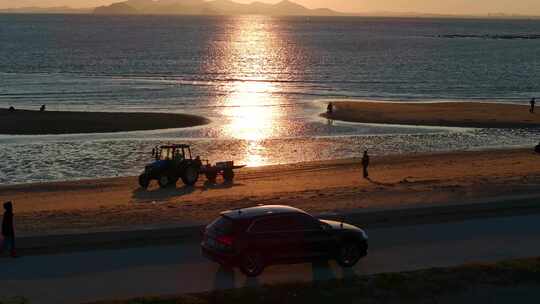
(331, 186)
(25, 122)
(451, 114)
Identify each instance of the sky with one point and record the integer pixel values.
(460, 7)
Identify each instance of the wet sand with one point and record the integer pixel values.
(451, 114)
(25, 122)
(400, 181)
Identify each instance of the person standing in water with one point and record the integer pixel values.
(532, 102)
(365, 164)
(8, 231)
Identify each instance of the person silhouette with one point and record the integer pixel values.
(330, 108)
(8, 232)
(42, 108)
(532, 102)
(365, 164)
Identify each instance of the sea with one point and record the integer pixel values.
(262, 81)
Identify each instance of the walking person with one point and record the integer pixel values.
(365, 164)
(8, 232)
(532, 102)
(330, 108)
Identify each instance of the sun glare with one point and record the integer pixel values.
(251, 116)
(251, 106)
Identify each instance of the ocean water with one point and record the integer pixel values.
(261, 80)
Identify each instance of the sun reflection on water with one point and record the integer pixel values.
(252, 116)
(252, 108)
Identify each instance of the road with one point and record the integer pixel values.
(123, 273)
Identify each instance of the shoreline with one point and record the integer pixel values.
(29, 122)
(397, 181)
(443, 114)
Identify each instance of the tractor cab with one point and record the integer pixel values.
(172, 152)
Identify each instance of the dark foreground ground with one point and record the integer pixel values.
(179, 269)
(24, 122)
(503, 282)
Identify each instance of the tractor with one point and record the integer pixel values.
(171, 163)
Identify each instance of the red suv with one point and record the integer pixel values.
(252, 238)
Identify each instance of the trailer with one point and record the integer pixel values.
(224, 168)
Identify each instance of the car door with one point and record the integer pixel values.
(316, 241)
(272, 237)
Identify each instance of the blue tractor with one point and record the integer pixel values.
(172, 162)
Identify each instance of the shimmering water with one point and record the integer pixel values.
(261, 80)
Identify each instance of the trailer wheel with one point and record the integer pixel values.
(190, 176)
(211, 177)
(144, 181)
(164, 181)
(228, 175)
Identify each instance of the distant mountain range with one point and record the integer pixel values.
(46, 10)
(214, 7)
(228, 7)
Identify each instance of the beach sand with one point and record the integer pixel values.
(331, 186)
(451, 114)
(25, 122)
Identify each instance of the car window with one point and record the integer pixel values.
(275, 223)
(303, 222)
(284, 223)
(222, 226)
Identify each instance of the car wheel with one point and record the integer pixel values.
(190, 176)
(252, 264)
(163, 181)
(144, 181)
(349, 254)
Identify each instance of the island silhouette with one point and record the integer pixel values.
(216, 7)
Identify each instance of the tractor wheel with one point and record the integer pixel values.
(228, 175)
(190, 176)
(211, 177)
(144, 181)
(164, 181)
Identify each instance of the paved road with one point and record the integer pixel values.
(89, 276)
